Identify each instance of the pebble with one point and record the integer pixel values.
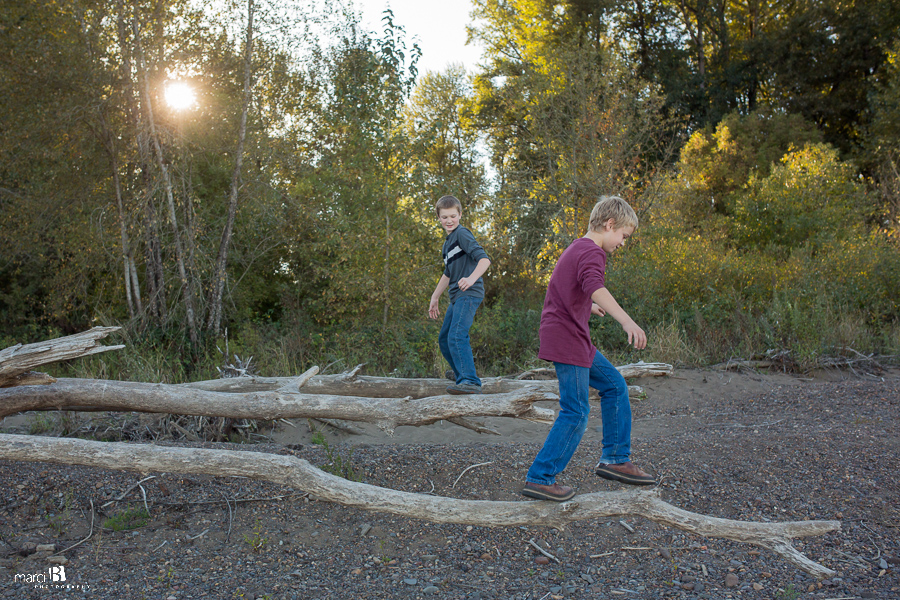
(410, 581)
(430, 590)
(731, 580)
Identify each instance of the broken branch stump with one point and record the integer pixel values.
(17, 362)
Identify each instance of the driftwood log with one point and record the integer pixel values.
(354, 384)
(386, 413)
(387, 402)
(300, 474)
(17, 362)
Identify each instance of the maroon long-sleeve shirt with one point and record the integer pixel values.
(564, 333)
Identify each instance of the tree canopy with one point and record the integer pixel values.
(294, 197)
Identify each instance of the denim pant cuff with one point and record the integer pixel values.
(527, 480)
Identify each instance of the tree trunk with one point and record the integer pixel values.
(218, 283)
(300, 474)
(387, 264)
(131, 115)
(131, 298)
(186, 283)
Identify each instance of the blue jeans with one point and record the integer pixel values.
(571, 422)
(454, 338)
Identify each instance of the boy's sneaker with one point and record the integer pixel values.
(626, 472)
(459, 389)
(555, 492)
(449, 374)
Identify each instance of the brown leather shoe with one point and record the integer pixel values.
(626, 472)
(555, 492)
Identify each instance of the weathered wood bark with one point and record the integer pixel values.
(353, 384)
(300, 474)
(386, 413)
(16, 361)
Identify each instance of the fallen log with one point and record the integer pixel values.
(354, 384)
(17, 362)
(300, 474)
(386, 413)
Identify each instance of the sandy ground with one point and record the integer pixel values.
(669, 403)
(747, 446)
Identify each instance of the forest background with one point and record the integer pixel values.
(289, 209)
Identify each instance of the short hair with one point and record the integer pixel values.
(447, 202)
(615, 208)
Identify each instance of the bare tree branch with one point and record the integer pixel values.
(16, 361)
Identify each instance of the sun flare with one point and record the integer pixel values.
(180, 95)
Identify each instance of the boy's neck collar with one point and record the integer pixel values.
(596, 237)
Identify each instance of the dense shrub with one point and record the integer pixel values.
(811, 196)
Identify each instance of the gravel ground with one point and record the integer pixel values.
(777, 450)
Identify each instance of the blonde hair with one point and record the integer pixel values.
(615, 208)
(447, 202)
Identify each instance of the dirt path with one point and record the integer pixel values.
(741, 446)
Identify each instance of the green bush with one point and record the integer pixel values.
(810, 197)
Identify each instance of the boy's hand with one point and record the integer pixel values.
(433, 309)
(636, 335)
(464, 283)
(596, 310)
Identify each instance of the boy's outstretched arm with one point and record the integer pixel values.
(608, 304)
(466, 282)
(443, 284)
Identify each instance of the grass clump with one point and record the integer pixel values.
(131, 518)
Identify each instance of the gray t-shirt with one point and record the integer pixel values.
(461, 254)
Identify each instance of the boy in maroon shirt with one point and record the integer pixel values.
(576, 291)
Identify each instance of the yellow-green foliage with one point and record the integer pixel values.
(788, 262)
(715, 163)
(810, 196)
(729, 300)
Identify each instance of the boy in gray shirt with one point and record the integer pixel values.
(465, 261)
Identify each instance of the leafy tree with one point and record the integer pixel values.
(883, 146)
(438, 124)
(355, 246)
(811, 197)
(566, 121)
(89, 174)
(824, 60)
(716, 162)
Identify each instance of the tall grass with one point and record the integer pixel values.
(505, 341)
(700, 301)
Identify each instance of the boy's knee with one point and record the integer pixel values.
(579, 416)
